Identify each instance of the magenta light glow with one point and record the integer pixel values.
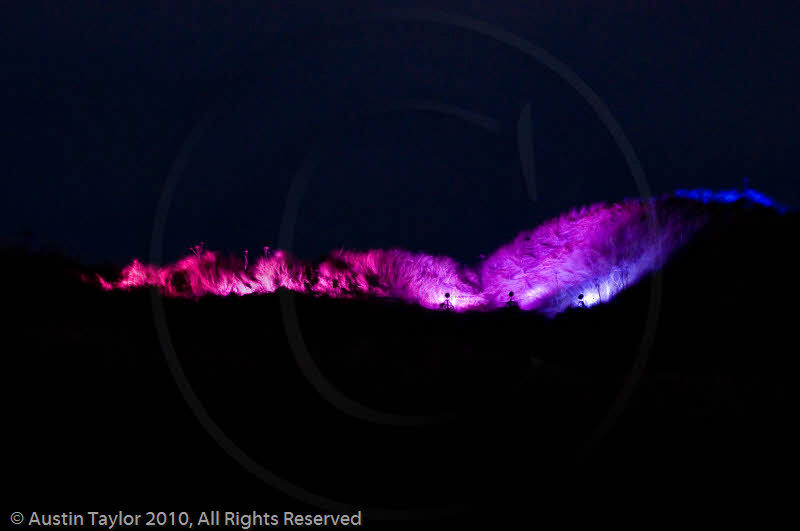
(581, 258)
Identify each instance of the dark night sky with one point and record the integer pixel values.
(97, 99)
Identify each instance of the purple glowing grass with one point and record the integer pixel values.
(580, 258)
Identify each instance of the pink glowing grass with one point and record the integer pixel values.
(580, 258)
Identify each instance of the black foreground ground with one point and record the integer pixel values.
(493, 409)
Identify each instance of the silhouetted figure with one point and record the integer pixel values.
(245, 259)
(581, 304)
(267, 251)
(446, 305)
(511, 303)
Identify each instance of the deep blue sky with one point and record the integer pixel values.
(97, 98)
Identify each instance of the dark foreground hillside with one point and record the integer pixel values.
(384, 406)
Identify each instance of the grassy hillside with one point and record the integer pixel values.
(390, 405)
